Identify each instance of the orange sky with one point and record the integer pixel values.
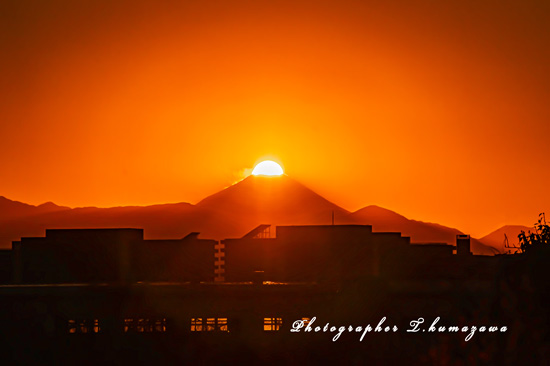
(438, 110)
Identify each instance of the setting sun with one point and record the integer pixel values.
(268, 167)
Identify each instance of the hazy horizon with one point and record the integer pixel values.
(214, 193)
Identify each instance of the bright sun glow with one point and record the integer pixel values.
(268, 167)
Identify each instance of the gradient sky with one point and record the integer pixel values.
(439, 110)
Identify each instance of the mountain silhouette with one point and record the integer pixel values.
(232, 212)
(273, 200)
(496, 238)
(383, 219)
(13, 209)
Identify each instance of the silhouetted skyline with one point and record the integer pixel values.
(432, 109)
(109, 294)
(231, 213)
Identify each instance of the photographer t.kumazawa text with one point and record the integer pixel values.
(416, 326)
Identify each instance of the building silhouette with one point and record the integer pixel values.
(111, 255)
(322, 253)
(90, 295)
(341, 253)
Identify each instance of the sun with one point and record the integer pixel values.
(268, 168)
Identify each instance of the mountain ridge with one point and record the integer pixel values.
(231, 212)
(496, 238)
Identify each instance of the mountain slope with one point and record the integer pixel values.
(159, 221)
(382, 219)
(496, 238)
(273, 200)
(13, 209)
(231, 212)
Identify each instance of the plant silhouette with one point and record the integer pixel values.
(538, 239)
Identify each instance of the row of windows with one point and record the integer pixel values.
(209, 325)
(83, 326)
(272, 324)
(147, 325)
(132, 325)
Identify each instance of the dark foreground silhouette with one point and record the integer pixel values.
(107, 296)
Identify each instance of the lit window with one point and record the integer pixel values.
(96, 326)
(222, 324)
(160, 325)
(196, 324)
(72, 326)
(144, 325)
(306, 321)
(272, 324)
(83, 326)
(209, 325)
(141, 325)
